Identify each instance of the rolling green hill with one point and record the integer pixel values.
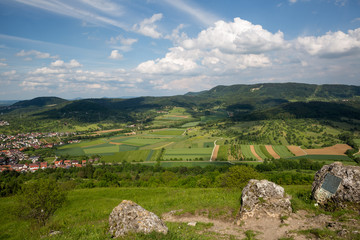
(244, 102)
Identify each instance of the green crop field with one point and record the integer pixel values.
(188, 153)
(282, 151)
(208, 144)
(102, 150)
(169, 132)
(246, 152)
(99, 146)
(190, 124)
(74, 151)
(223, 152)
(265, 151)
(325, 157)
(123, 148)
(142, 141)
(260, 152)
(167, 164)
(138, 155)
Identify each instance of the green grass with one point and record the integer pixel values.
(246, 152)
(85, 214)
(282, 151)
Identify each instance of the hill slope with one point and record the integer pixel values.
(258, 101)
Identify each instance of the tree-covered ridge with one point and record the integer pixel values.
(243, 102)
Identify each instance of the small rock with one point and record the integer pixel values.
(53, 233)
(343, 233)
(130, 217)
(192, 224)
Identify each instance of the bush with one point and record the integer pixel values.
(38, 200)
(238, 177)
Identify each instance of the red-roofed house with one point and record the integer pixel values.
(33, 167)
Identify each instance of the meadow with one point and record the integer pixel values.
(85, 214)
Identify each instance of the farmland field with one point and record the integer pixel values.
(188, 153)
(223, 152)
(246, 152)
(338, 149)
(169, 132)
(102, 150)
(282, 151)
(259, 152)
(139, 155)
(142, 141)
(168, 164)
(271, 151)
(324, 157)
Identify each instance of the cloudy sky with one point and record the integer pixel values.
(117, 48)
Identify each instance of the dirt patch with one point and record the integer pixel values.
(215, 153)
(266, 228)
(338, 149)
(272, 152)
(252, 148)
(296, 150)
(107, 131)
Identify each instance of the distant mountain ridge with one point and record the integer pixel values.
(257, 101)
(39, 102)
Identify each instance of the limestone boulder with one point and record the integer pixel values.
(337, 183)
(264, 198)
(130, 217)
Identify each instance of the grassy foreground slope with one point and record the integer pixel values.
(85, 214)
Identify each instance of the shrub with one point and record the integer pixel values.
(38, 200)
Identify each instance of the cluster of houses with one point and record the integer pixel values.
(22, 141)
(12, 147)
(32, 167)
(4, 123)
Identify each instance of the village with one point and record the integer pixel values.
(14, 158)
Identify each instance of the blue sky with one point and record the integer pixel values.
(115, 48)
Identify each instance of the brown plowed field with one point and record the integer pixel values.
(296, 150)
(107, 131)
(272, 152)
(252, 148)
(338, 149)
(215, 153)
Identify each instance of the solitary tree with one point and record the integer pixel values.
(38, 200)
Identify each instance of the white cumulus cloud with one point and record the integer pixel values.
(332, 44)
(61, 64)
(239, 36)
(115, 55)
(148, 27)
(34, 53)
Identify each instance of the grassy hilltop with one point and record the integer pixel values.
(192, 153)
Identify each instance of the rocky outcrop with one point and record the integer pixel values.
(264, 198)
(337, 183)
(130, 217)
